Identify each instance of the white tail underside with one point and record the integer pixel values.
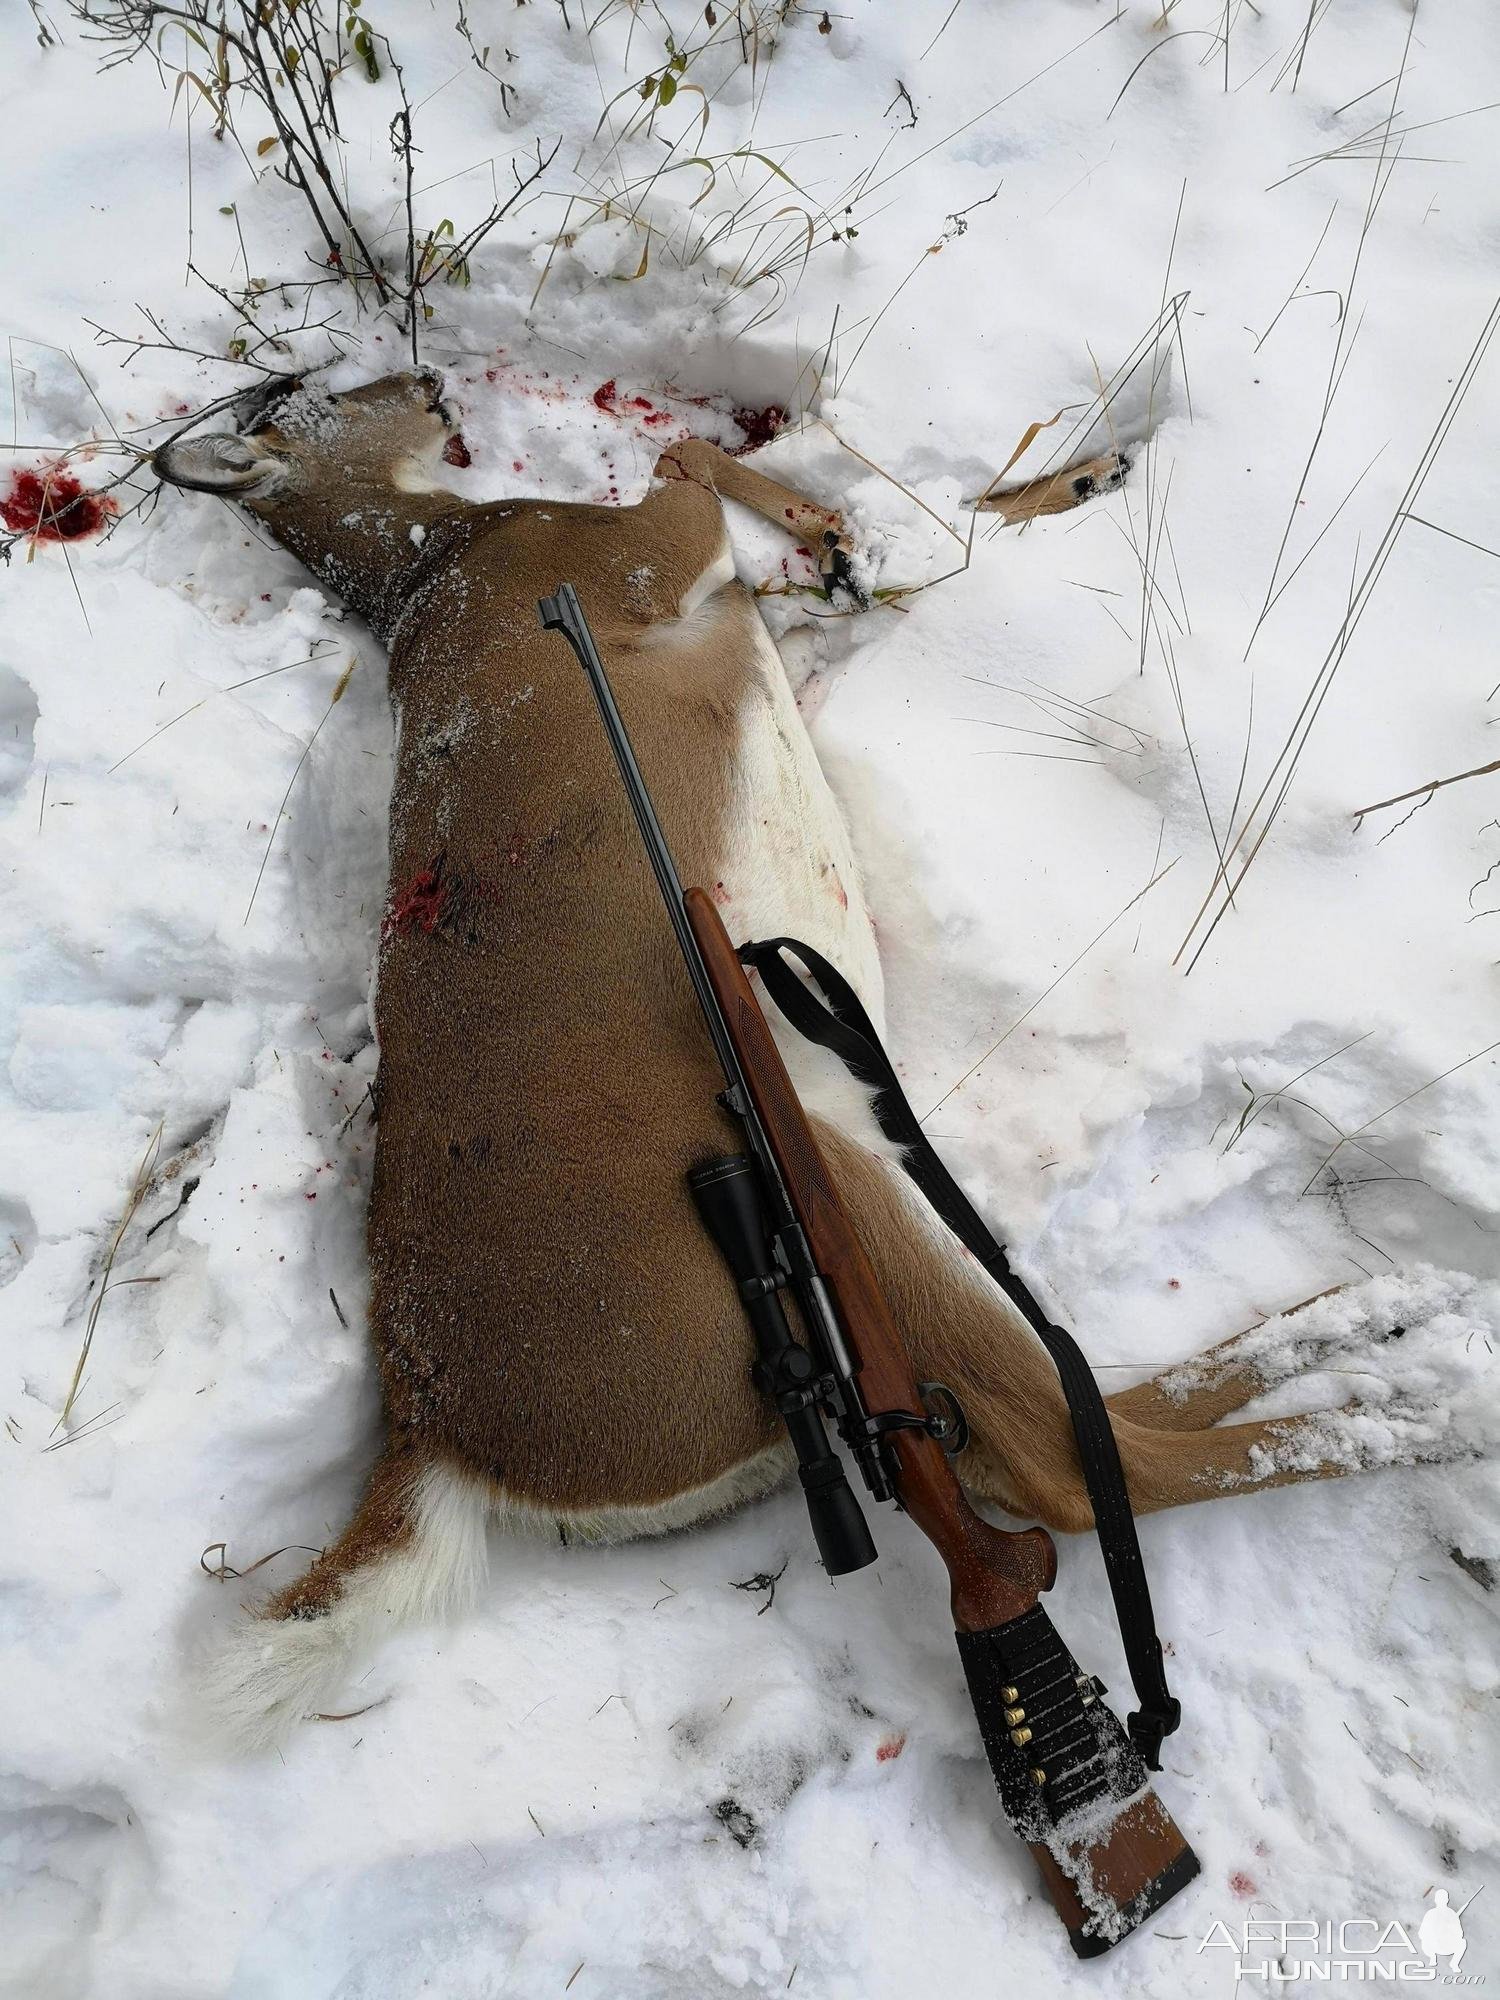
(271, 1673)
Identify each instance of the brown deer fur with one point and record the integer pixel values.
(556, 1337)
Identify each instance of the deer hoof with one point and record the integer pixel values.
(836, 566)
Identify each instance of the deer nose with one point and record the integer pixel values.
(430, 381)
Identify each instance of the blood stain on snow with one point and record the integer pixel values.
(607, 397)
(50, 505)
(889, 1747)
(456, 452)
(1241, 1884)
(759, 426)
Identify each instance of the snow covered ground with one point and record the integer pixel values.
(623, 1776)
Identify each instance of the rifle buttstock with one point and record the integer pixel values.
(1072, 1784)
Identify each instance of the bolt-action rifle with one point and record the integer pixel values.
(1070, 1781)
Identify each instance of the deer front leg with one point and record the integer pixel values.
(1057, 492)
(820, 528)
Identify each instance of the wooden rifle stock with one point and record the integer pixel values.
(1108, 1851)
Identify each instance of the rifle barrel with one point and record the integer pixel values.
(563, 613)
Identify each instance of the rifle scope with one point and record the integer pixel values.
(729, 1202)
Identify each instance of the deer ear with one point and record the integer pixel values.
(216, 463)
(254, 408)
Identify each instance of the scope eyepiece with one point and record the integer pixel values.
(838, 1521)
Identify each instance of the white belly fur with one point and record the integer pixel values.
(788, 870)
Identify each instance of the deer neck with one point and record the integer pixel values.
(371, 544)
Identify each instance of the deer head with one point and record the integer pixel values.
(346, 482)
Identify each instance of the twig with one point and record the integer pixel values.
(1437, 784)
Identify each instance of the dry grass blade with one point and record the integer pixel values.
(1097, 938)
(1301, 280)
(1292, 65)
(1291, 576)
(941, 31)
(223, 1570)
(1351, 149)
(1179, 702)
(1338, 361)
(1178, 35)
(845, 372)
(1070, 716)
(1342, 346)
(1284, 768)
(193, 707)
(102, 1420)
(1261, 1101)
(137, 1195)
(891, 480)
(1094, 712)
(336, 697)
(1454, 537)
(1359, 1131)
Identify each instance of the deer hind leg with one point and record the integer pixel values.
(1195, 1394)
(1059, 491)
(1432, 1394)
(415, 1549)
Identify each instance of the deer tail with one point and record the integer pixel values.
(414, 1551)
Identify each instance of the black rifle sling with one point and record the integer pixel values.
(838, 1021)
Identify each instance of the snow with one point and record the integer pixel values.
(615, 1770)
